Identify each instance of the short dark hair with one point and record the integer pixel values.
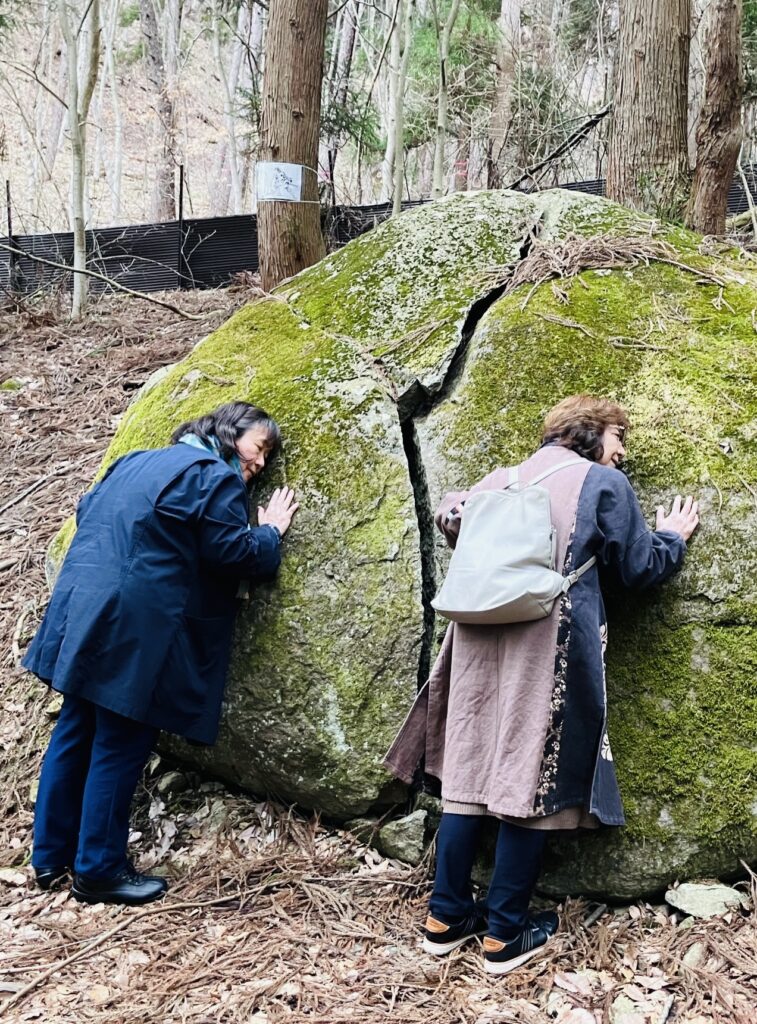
(228, 423)
(578, 423)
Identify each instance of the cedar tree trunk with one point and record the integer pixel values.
(718, 131)
(508, 47)
(648, 166)
(289, 233)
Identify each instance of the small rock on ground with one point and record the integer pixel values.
(403, 839)
(705, 899)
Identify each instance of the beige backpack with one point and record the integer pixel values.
(503, 567)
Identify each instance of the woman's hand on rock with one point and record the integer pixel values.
(683, 517)
(279, 510)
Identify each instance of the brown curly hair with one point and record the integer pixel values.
(578, 423)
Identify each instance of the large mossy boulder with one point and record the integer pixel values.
(412, 362)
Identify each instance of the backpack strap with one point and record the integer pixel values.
(576, 575)
(573, 577)
(513, 474)
(555, 469)
(512, 478)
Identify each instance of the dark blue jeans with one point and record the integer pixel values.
(517, 862)
(89, 774)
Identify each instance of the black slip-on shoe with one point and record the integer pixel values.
(503, 957)
(440, 938)
(128, 887)
(51, 878)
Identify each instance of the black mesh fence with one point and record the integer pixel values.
(206, 252)
(738, 201)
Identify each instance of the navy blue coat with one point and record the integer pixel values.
(141, 616)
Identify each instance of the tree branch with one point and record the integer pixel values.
(33, 75)
(565, 147)
(108, 280)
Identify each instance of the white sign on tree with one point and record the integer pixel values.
(279, 182)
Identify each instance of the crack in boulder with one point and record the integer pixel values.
(425, 517)
(418, 402)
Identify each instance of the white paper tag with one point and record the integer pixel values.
(275, 181)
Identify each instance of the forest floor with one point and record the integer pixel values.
(271, 916)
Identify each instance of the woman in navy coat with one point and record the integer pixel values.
(137, 634)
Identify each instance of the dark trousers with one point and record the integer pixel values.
(517, 862)
(89, 774)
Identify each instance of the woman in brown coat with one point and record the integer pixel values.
(513, 717)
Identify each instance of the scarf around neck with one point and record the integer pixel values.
(214, 447)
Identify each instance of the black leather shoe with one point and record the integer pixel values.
(127, 887)
(51, 878)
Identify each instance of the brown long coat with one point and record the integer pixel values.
(513, 718)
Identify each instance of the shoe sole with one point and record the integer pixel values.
(92, 898)
(505, 966)
(443, 948)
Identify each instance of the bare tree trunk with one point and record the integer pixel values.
(425, 166)
(393, 101)
(384, 102)
(405, 36)
(228, 69)
(696, 74)
(257, 34)
(290, 232)
(606, 56)
(462, 159)
(161, 28)
(750, 131)
(45, 117)
(443, 35)
(648, 165)
(557, 18)
(54, 112)
(251, 79)
(109, 157)
(508, 49)
(718, 132)
(339, 85)
(79, 97)
(330, 71)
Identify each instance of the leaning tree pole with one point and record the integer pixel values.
(289, 231)
(648, 165)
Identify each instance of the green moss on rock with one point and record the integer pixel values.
(683, 707)
(57, 549)
(403, 290)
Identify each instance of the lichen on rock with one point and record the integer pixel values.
(403, 291)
